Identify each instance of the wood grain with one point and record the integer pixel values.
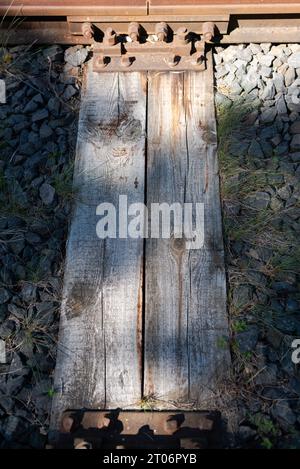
(185, 299)
(105, 358)
(99, 351)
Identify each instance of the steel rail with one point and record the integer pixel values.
(146, 8)
(85, 22)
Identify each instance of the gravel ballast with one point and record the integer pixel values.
(258, 108)
(38, 135)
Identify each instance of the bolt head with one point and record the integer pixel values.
(161, 36)
(109, 37)
(87, 30)
(133, 36)
(208, 36)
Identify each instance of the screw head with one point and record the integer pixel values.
(109, 37)
(181, 34)
(133, 31)
(87, 30)
(208, 36)
(161, 31)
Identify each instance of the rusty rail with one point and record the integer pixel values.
(235, 20)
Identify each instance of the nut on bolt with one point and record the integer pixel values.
(208, 31)
(109, 37)
(87, 30)
(182, 34)
(133, 31)
(198, 57)
(161, 31)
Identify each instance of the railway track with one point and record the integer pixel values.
(66, 22)
(143, 318)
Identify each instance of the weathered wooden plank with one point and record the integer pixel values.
(185, 298)
(99, 352)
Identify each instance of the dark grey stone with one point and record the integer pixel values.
(246, 433)
(54, 53)
(268, 376)
(45, 131)
(286, 323)
(28, 292)
(54, 106)
(4, 295)
(33, 238)
(268, 115)
(7, 329)
(258, 200)
(295, 127)
(40, 115)
(295, 143)
(69, 92)
(47, 193)
(255, 150)
(284, 415)
(247, 339)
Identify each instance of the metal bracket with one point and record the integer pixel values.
(138, 429)
(138, 51)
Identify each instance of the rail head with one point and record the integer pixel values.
(75, 22)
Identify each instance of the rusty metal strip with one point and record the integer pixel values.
(76, 7)
(137, 429)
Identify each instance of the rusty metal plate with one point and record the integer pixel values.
(140, 51)
(144, 7)
(70, 7)
(138, 429)
(178, 7)
(154, 62)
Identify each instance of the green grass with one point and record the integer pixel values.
(239, 326)
(147, 403)
(63, 183)
(266, 429)
(222, 343)
(51, 393)
(230, 120)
